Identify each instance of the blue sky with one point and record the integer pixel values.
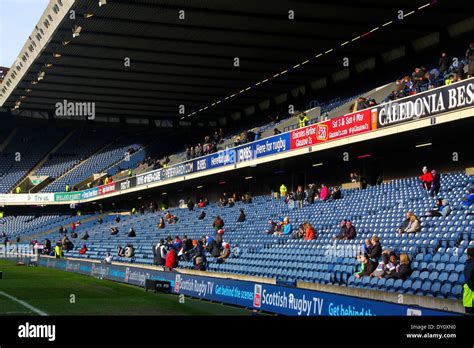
(17, 21)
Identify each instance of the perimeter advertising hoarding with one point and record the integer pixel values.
(425, 104)
(339, 127)
(27, 198)
(105, 189)
(271, 298)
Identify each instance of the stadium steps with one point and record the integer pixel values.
(45, 158)
(80, 164)
(8, 139)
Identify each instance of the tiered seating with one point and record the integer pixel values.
(437, 251)
(31, 145)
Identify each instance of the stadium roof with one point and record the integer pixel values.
(188, 58)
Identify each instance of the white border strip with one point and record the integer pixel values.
(23, 303)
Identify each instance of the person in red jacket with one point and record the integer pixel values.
(426, 178)
(310, 233)
(83, 250)
(171, 260)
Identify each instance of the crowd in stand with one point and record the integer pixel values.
(310, 195)
(208, 146)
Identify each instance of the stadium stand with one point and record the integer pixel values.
(437, 252)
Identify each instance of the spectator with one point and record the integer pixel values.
(441, 208)
(342, 230)
(310, 232)
(403, 270)
(177, 243)
(324, 192)
(73, 235)
(199, 257)
(190, 204)
(418, 79)
(276, 131)
(58, 251)
(214, 247)
(435, 183)
(159, 253)
(443, 63)
(202, 215)
(218, 223)
(283, 191)
(402, 228)
(336, 193)
(129, 251)
(161, 223)
(231, 202)
(171, 260)
(303, 120)
(241, 217)
(287, 227)
(348, 231)
(367, 267)
(117, 219)
(100, 220)
(273, 227)
(114, 231)
(366, 248)
(469, 199)
(468, 287)
(413, 226)
(311, 193)
(108, 258)
(247, 198)
(85, 236)
(426, 179)
(470, 60)
(201, 204)
(390, 267)
(299, 197)
(120, 251)
(224, 254)
(83, 250)
(354, 177)
(376, 251)
(131, 233)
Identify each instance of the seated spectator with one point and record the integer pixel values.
(161, 223)
(366, 248)
(354, 177)
(218, 223)
(348, 230)
(83, 250)
(310, 233)
(199, 257)
(67, 244)
(418, 79)
(131, 233)
(441, 208)
(426, 179)
(287, 227)
(247, 198)
(121, 251)
(469, 199)
(367, 267)
(201, 204)
(273, 227)
(300, 233)
(376, 251)
(336, 193)
(73, 235)
(241, 217)
(202, 215)
(276, 131)
(214, 247)
(100, 220)
(324, 192)
(405, 223)
(231, 202)
(114, 231)
(108, 258)
(225, 253)
(177, 243)
(342, 230)
(171, 259)
(117, 219)
(403, 270)
(413, 226)
(129, 251)
(190, 204)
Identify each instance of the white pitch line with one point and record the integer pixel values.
(23, 303)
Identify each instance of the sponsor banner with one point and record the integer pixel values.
(440, 100)
(272, 145)
(177, 170)
(149, 178)
(271, 298)
(222, 158)
(67, 196)
(126, 183)
(105, 189)
(339, 127)
(27, 198)
(89, 193)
